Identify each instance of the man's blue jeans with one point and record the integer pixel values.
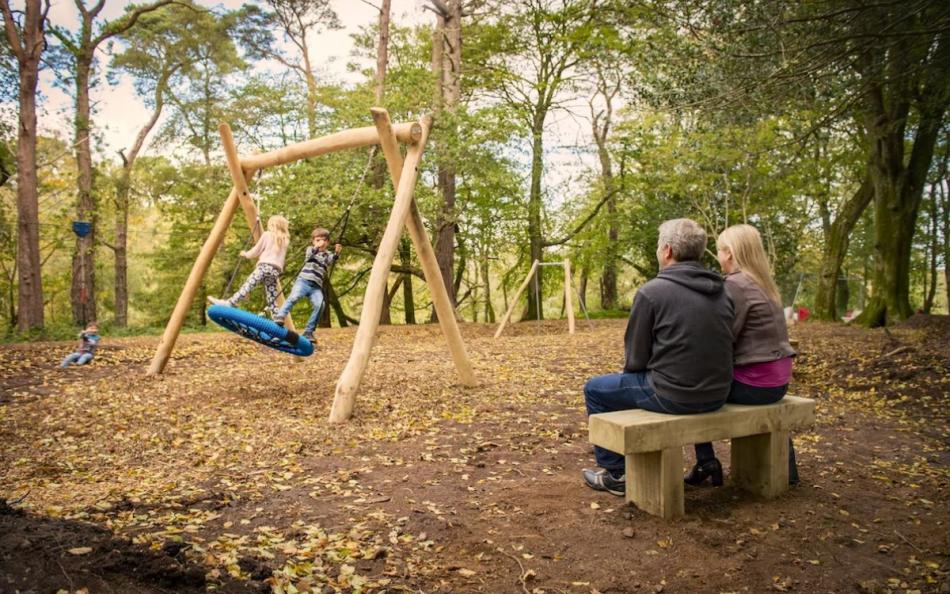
(304, 288)
(76, 358)
(623, 391)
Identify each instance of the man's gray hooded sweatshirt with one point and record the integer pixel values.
(680, 331)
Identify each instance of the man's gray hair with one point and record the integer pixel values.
(685, 236)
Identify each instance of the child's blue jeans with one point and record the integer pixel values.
(304, 288)
(76, 358)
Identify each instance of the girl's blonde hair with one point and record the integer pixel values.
(278, 225)
(745, 245)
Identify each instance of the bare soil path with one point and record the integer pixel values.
(223, 474)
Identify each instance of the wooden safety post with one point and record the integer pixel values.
(514, 301)
(568, 294)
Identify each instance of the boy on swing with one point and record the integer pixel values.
(309, 282)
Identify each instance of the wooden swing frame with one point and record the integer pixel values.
(405, 213)
(568, 297)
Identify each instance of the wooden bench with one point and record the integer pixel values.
(652, 445)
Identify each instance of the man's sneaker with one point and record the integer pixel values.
(279, 322)
(309, 336)
(216, 301)
(605, 480)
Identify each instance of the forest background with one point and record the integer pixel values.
(563, 129)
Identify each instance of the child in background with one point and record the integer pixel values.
(309, 281)
(270, 249)
(87, 348)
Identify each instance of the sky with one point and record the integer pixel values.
(119, 113)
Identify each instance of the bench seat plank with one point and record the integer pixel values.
(631, 431)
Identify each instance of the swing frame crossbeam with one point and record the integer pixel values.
(404, 214)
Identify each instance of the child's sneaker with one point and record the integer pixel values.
(216, 301)
(279, 321)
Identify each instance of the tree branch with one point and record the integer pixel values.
(580, 227)
(10, 26)
(128, 21)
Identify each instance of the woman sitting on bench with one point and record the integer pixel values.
(762, 355)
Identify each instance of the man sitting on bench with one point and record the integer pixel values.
(677, 346)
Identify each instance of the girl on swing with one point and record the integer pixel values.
(271, 250)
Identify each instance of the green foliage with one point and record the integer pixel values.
(724, 112)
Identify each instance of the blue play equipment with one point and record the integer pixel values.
(260, 330)
(82, 228)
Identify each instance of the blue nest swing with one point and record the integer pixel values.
(260, 330)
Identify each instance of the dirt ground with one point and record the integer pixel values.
(223, 474)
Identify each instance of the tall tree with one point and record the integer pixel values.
(906, 88)
(608, 81)
(447, 74)
(886, 69)
(80, 49)
(27, 40)
(199, 97)
(157, 49)
(300, 21)
(529, 60)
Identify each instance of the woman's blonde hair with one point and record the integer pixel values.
(745, 245)
(278, 225)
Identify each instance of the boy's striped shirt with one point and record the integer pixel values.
(316, 264)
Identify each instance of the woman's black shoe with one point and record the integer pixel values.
(703, 470)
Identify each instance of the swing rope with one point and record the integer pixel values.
(250, 239)
(345, 217)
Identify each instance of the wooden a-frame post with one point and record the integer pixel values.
(404, 213)
(568, 298)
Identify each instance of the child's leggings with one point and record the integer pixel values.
(263, 273)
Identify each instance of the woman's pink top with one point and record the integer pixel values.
(770, 374)
(266, 248)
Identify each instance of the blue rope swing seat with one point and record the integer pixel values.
(260, 330)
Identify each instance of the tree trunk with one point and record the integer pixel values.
(27, 45)
(934, 247)
(83, 289)
(600, 124)
(608, 285)
(535, 309)
(582, 288)
(121, 261)
(405, 256)
(486, 276)
(836, 248)
(334, 301)
(945, 207)
(123, 189)
(907, 83)
(897, 195)
(447, 66)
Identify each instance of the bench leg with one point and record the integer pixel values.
(760, 463)
(655, 482)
